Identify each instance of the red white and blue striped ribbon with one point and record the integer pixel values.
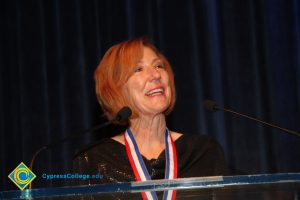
(139, 168)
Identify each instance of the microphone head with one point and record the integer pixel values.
(123, 114)
(211, 105)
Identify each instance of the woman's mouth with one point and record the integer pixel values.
(157, 91)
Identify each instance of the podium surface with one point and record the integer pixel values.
(263, 186)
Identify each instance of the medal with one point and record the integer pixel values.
(139, 168)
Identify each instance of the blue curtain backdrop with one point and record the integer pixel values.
(245, 55)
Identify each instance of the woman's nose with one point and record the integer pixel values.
(154, 73)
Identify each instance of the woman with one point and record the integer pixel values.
(135, 74)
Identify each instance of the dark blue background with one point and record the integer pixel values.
(243, 54)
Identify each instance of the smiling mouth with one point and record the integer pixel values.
(154, 92)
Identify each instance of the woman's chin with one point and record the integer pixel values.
(159, 109)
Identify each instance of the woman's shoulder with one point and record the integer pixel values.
(99, 147)
(199, 144)
(107, 157)
(187, 138)
(193, 140)
(200, 152)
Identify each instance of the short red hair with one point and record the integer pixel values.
(115, 68)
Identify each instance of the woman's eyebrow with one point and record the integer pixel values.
(153, 61)
(156, 59)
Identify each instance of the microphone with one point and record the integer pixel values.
(213, 106)
(123, 114)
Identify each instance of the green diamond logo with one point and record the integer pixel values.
(21, 176)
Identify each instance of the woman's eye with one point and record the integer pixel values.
(138, 69)
(160, 66)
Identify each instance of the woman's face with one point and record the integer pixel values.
(148, 89)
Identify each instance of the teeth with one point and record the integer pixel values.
(156, 91)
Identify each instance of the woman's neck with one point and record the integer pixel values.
(149, 134)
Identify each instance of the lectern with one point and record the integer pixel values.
(257, 187)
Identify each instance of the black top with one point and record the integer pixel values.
(197, 156)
